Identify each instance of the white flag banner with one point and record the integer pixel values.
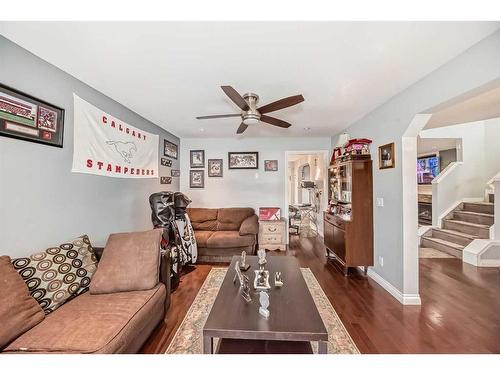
(107, 146)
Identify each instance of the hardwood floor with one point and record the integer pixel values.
(460, 311)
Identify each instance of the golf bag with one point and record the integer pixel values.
(168, 211)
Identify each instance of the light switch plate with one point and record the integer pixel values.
(380, 202)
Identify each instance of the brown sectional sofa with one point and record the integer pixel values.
(222, 233)
(100, 323)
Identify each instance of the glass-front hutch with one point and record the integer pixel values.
(348, 221)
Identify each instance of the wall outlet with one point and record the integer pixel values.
(381, 261)
(380, 202)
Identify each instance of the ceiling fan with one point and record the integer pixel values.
(251, 114)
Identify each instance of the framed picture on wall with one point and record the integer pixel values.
(166, 162)
(196, 179)
(25, 117)
(270, 165)
(386, 156)
(166, 180)
(170, 149)
(197, 158)
(214, 167)
(243, 160)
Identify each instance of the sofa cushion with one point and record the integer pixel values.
(202, 237)
(59, 273)
(225, 239)
(202, 214)
(130, 261)
(203, 218)
(231, 218)
(18, 310)
(250, 225)
(90, 323)
(205, 225)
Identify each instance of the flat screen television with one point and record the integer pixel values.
(427, 169)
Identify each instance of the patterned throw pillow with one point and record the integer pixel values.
(59, 273)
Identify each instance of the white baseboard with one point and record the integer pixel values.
(405, 299)
(490, 263)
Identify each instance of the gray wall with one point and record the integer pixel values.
(446, 157)
(387, 123)
(245, 188)
(41, 201)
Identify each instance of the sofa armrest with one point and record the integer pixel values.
(250, 225)
(165, 264)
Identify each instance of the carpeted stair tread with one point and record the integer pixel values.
(475, 213)
(445, 243)
(456, 233)
(468, 224)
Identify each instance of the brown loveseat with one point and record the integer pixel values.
(222, 233)
(117, 322)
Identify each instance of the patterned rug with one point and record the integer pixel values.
(188, 338)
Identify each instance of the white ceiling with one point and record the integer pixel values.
(170, 72)
(481, 106)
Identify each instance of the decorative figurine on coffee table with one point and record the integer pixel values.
(261, 281)
(245, 289)
(243, 265)
(238, 275)
(264, 304)
(262, 258)
(278, 280)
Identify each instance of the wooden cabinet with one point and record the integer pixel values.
(348, 230)
(272, 234)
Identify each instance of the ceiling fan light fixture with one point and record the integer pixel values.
(251, 114)
(251, 119)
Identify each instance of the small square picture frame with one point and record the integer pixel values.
(197, 158)
(215, 168)
(386, 156)
(197, 179)
(270, 165)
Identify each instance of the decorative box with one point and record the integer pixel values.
(358, 146)
(269, 213)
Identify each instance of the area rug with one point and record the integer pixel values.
(427, 252)
(188, 338)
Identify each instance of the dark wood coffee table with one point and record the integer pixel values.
(294, 316)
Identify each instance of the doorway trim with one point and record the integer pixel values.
(324, 198)
(409, 153)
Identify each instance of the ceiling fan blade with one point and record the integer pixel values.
(241, 128)
(235, 97)
(218, 116)
(282, 103)
(275, 121)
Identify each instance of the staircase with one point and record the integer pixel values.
(467, 222)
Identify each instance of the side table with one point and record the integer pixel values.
(272, 234)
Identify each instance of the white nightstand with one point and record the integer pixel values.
(272, 234)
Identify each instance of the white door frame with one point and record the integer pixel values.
(411, 294)
(324, 198)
